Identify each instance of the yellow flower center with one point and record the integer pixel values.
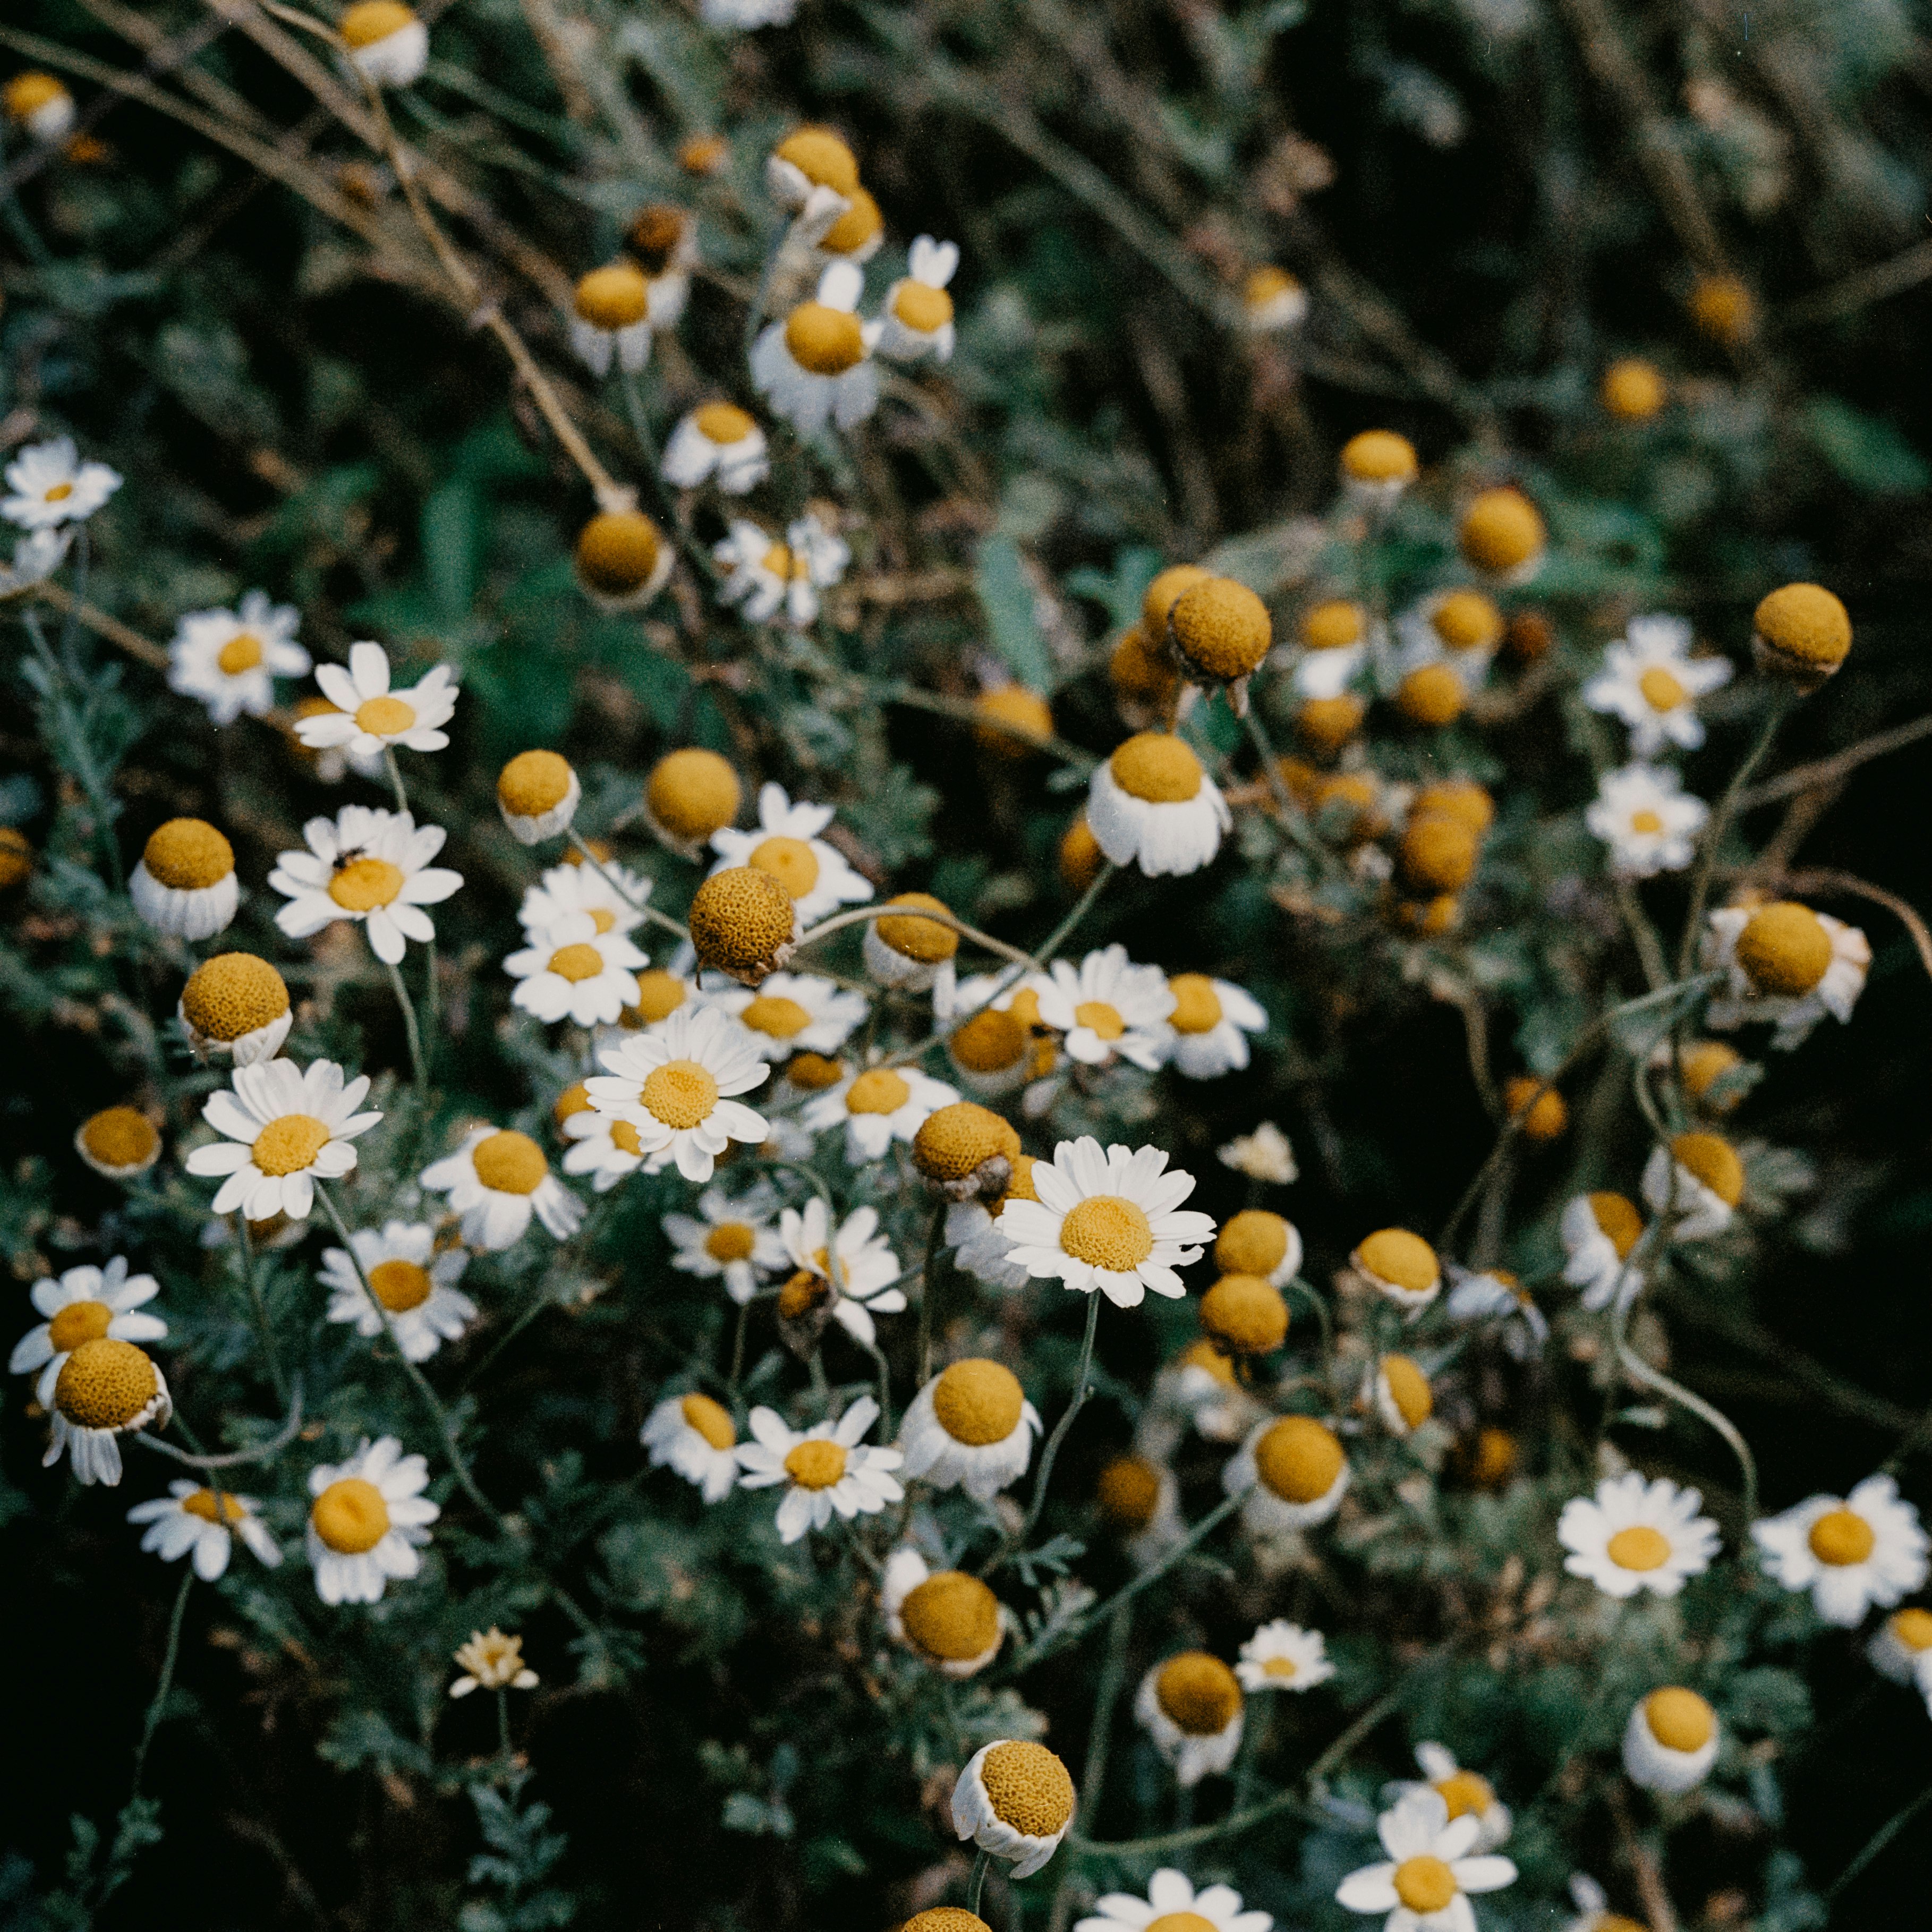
(373, 20)
(1402, 1260)
(1640, 1547)
(1710, 1159)
(1098, 1017)
(1129, 1492)
(188, 854)
(1199, 1692)
(1466, 620)
(1805, 622)
(1156, 768)
(233, 994)
(1679, 1720)
(978, 1402)
(1379, 456)
(722, 423)
(1464, 1792)
(989, 1042)
(534, 782)
(1841, 1537)
(1408, 1389)
(1661, 692)
(1438, 854)
(616, 556)
(824, 341)
(213, 1506)
(509, 1162)
(924, 939)
(1332, 626)
(856, 227)
(773, 1014)
(625, 1139)
(821, 156)
(385, 717)
(350, 1517)
(400, 1285)
(105, 1384)
(289, 1144)
(1647, 822)
(121, 1137)
(1632, 389)
(731, 1241)
(1197, 1006)
(578, 962)
(681, 1094)
(951, 1616)
(1618, 1220)
(1027, 1787)
(813, 1072)
(1107, 1231)
(659, 995)
(242, 652)
(613, 298)
(1181, 1922)
(777, 561)
(877, 1091)
(710, 1420)
(1784, 949)
(1500, 529)
(362, 883)
(1221, 628)
(816, 1463)
(79, 1321)
(740, 920)
(791, 862)
(1245, 1315)
(1913, 1628)
(1253, 1242)
(922, 307)
(956, 1141)
(1432, 695)
(1299, 1458)
(1425, 1883)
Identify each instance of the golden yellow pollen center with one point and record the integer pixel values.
(772, 1013)
(1027, 1787)
(1245, 1314)
(580, 961)
(1157, 769)
(1397, 1258)
(616, 556)
(723, 423)
(1500, 529)
(1841, 1537)
(709, 1419)
(731, 1241)
(1679, 1720)
(1432, 693)
(373, 20)
(659, 995)
(1464, 1792)
(242, 652)
(777, 560)
(856, 227)
(509, 1162)
(626, 1138)
(1254, 1242)
(877, 1091)
(924, 939)
(989, 1042)
(1647, 822)
(1379, 456)
(791, 862)
(213, 1506)
(958, 1141)
(1661, 692)
(1201, 1354)
(1333, 626)
(824, 341)
(534, 782)
(1711, 1159)
(233, 994)
(1109, 1231)
(400, 1285)
(821, 156)
(1098, 1017)
(385, 717)
(1197, 1006)
(1438, 854)
(1221, 628)
(121, 1137)
(105, 1383)
(602, 920)
(1466, 620)
(1639, 1547)
(978, 1402)
(816, 1463)
(1129, 1492)
(613, 298)
(289, 1144)
(1618, 1221)
(363, 883)
(1199, 1692)
(1424, 1884)
(681, 1094)
(813, 1072)
(188, 854)
(350, 1517)
(58, 492)
(951, 1616)
(1408, 1389)
(1913, 1628)
(79, 1321)
(1299, 1458)
(1805, 622)
(1181, 1922)
(922, 307)
(1785, 949)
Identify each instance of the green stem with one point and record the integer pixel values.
(395, 778)
(738, 1357)
(1878, 1840)
(169, 1658)
(1297, 1286)
(419, 1066)
(643, 906)
(503, 1725)
(977, 1883)
(1720, 822)
(245, 1248)
(1018, 1541)
(928, 1293)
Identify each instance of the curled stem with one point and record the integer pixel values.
(263, 1452)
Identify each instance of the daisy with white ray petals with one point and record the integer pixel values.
(1108, 1009)
(730, 1239)
(285, 1129)
(230, 659)
(369, 866)
(492, 1661)
(1168, 1895)
(1651, 681)
(369, 1519)
(1467, 1793)
(1646, 818)
(815, 366)
(48, 485)
(673, 1086)
(496, 1180)
(858, 1265)
(612, 902)
(767, 579)
(695, 1437)
(877, 1107)
(717, 442)
(1210, 1024)
(1634, 1535)
(1424, 1884)
(1784, 963)
(1600, 1233)
(36, 557)
(971, 1426)
(917, 319)
(1107, 1221)
(1865, 1551)
(826, 1470)
(1151, 804)
(84, 1305)
(574, 971)
(785, 845)
(369, 718)
(191, 1521)
(415, 1286)
(1283, 1656)
(793, 1013)
(104, 1389)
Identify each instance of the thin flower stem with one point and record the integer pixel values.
(863, 915)
(1878, 1840)
(166, 1683)
(263, 1452)
(1297, 1286)
(503, 1725)
(977, 1883)
(928, 1293)
(643, 906)
(1292, 816)
(395, 778)
(1017, 1539)
(1721, 823)
(244, 1248)
(738, 1359)
(420, 1066)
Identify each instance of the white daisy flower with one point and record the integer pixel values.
(972, 1230)
(809, 163)
(1496, 1294)
(369, 1519)
(767, 578)
(1600, 1233)
(496, 1180)
(1210, 1023)
(1197, 1389)
(1399, 1392)
(731, 1240)
(1863, 1552)
(576, 971)
(185, 885)
(747, 15)
(1650, 824)
(717, 442)
(1169, 1894)
(1376, 467)
(105, 1388)
(695, 1437)
(190, 1520)
(1466, 1793)
(950, 1621)
(787, 848)
(1283, 1656)
(1671, 1741)
(1109, 1221)
(369, 866)
(673, 1086)
(1140, 1498)
(991, 1022)
(1191, 1707)
(1272, 300)
(388, 46)
(284, 1128)
(876, 1107)
(84, 1305)
(1460, 629)
(38, 103)
(1152, 805)
(492, 1661)
(612, 902)
(1651, 681)
(1902, 1650)
(1786, 964)
(1266, 1154)
(230, 659)
(858, 1267)
(1698, 1180)
(369, 718)
(792, 1013)
(815, 366)
(36, 557)
(1424, 1886)
(1294, 1472)
(917, 318)
(1108, 1009)
(415, 1285)
(611, 316)
(49, 485)
(1635, 1535)
(1014, 1799)
(606, 1148)
(971, 1427)
(824, 1469)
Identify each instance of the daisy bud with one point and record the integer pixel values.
(1294, 1472)
(1400, 1265)
(1632, 390)
(1502, 533)
(1671, 1741)
(905, 952)
(1547, 1116)
(966, 1151)
(1014, 1799)
(1151, 802)
(689, 795)
(1141, 672)
(1222, 633)
(1529, 637)
(537, 793)
(1403, 1400)
(1438, 854)
(1243, 1315)
(119, 1142)
(1723, 309)
(1432, 695)
(1029, 716)
(1801, 633)
(388, 45)
(185, 886)
(1377, 466)
(1079, 856)
(236, 1003)
(1159, 598)
(1491, 1459)
(945, 1918)
(743, 922)
(621, 560)
(1129, 1492)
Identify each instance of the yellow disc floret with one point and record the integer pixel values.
(120, 1137)
(922, 307)
(1157, 768)
(1679, 1720)
(978, 1402)
(692, 794)
(821, 156)
(105, 1384)
(1438, 854)
(188, 854)
(924, 939)
(1784, 949)
(1129, 1492)
(1431, 695)
(1252, 1242)
(951, 1616)
(1632, 389)
(1379, 456)
(1300, 1460)
(1027, 1787)
(680, 1093)
(1803, 630)
(1841, 1537)
(1028, 715)
(1197, 1006)
(816, 1463)
(1617, 1217)
(400, 1285)
(370, 21)
(1544, 1113)
(1221, 628)
(289, 1144)
(860, 222)
(1408, 1389)
(1198, 1692)
(824, 341)
(1501, 531)
(742, 920)
(79, 1321)
(1424, 1883)
(1109, 1231)
(618, 553)
(350, 1517)
(710, 1420)
(1245, 1315)
(993, 1040)
(1723, 308)
(1466, 620)
(614, 297)
(957, 1141)
(1712, 1160)
(232, 995)
(1160, 596)
(1394, 1256)
(533, 783)
(1639, 1547)
(1332, 626)
(509, 1162)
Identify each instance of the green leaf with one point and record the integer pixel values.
(1006, 595)
(1868, 454)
